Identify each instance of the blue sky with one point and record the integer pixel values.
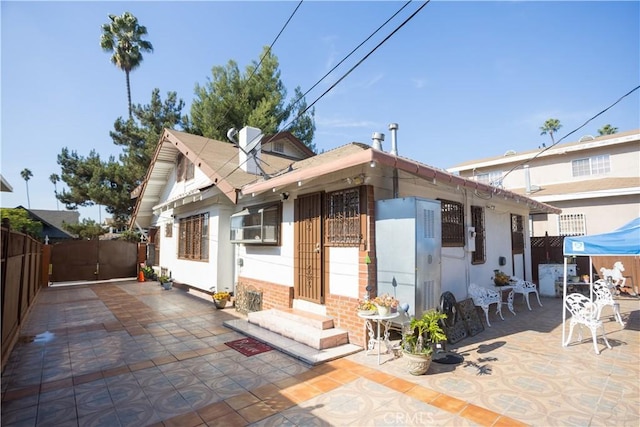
(464, 80)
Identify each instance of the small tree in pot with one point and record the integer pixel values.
(418, 341)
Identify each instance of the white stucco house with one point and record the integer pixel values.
(318, 232)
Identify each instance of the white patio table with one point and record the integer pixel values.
(378, 336)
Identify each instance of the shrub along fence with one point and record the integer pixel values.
(22, 278)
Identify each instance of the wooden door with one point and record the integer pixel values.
(309, 249)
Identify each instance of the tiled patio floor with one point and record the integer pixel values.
(132, 354)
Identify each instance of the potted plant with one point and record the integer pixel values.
(418, 341)
(366, 307)
(220, 299)
(385, 304)
(166, 282)
(500, 278)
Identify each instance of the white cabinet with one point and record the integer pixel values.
(548, 274)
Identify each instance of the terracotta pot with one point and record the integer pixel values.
(220, 303)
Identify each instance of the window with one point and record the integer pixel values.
(477, 221)
(185, 169)
(278, 147)
(572, 225)
(168, 229)
(194, 238)
(596, 165)
(517, 234)
(452, 223)
(342, 218)
(491, 178)
(257, 225)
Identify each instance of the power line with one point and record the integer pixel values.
(571, 133)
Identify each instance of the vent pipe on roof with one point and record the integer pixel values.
(377, 140)
(527, 179)
(393, 127)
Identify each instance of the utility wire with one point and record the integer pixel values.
(571, 133)
(352, 68)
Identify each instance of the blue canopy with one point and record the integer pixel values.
(623, 241)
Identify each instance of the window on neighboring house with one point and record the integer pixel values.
(517, 233)
(477, 221)
(185, 169)
(278, 146)
(596, 165)
(168, 229)
(491, 178)
(194, 238)
(343, 222)
(257, 225)
(452, 223)
(572, 225)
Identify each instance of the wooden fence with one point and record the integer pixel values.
(22, 279)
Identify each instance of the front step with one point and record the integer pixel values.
(310, 329)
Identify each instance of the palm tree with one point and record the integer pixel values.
(123, 37)
(550, 127)
(26, 175)
(55, 179)
(607, 130)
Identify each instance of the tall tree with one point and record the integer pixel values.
(550, 127)
(607, 130)
(55, 179)
(253, 98)
(123, 37)
(92, 180)
(26, 174)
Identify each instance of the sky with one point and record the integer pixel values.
(463, 80)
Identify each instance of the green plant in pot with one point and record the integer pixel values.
(418, 341)
(165, 281)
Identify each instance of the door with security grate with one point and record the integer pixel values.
(309, 248)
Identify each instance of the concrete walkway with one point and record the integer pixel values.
(133, 354)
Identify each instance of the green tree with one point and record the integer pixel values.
(26, 174)
(123, 37)
(607, 130)
(55, 179)
(19, 220)
(87, 229)
(231, 99)
(550, 127)
(90, 180)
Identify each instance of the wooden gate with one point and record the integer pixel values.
(309, 248)
(77, 260)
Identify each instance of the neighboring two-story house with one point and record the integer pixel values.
(595, 181)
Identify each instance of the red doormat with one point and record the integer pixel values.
(249, 346)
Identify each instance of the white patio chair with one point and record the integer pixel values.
(604, 297)
(525, 288)
(584, 312)
(484, 297)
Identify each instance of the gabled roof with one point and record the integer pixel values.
(54, 219)
(560, 149)
(4, 185)
(602, 187)
(356, 154)
(218, 160)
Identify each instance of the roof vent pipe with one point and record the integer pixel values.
(527, 179)
(377, 140)
(393, 127)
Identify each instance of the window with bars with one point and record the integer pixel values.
(452, 223)
(596, 165)
(185, 169)
(517, 233)
(572, 225)
(194, 238)
(477, 221)
(278, 147)
(343, 217)
(168, 229)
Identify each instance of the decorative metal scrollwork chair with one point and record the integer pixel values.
(484, 297)
(584, 312)
(525, 288)
(604, 297)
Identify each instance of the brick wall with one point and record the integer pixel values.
(273, 295)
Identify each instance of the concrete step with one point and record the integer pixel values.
(307, 328)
